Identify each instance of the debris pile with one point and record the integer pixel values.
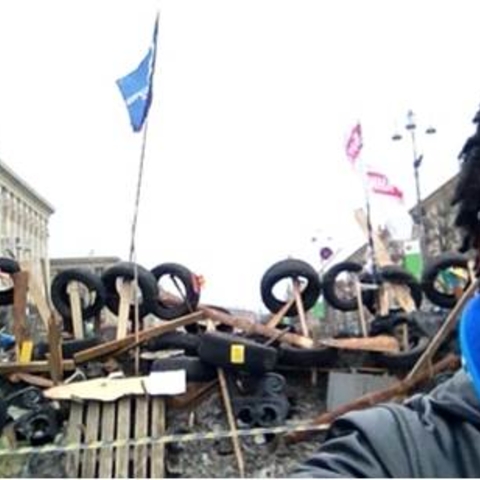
(172, 387)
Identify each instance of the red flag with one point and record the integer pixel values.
(354, 143)
(379, 183)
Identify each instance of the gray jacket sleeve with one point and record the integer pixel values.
(350, 451)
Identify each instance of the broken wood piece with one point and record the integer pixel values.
(55, 350)
(277, 317)
(231, 422)
(402, 387)
(379, 343)
(20, 329)
(73, 291)
(37, 294)
(127, 343)
(35, 380)
(100, 389)
(126, 292)
(300, 307)
(361, 312)
(246, 324)
(38, 366)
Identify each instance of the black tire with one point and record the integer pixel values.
(10, 266)
(236, 353)
(348, 304)
(146, 283)
(290, 268)
(197, 370)
(291, 356)
(61, 299)
(399, 276)
(272, 411)
(190, 291)
(69, 347)
(272, 383)
(175, 340)
(431, 272)
(402, 360)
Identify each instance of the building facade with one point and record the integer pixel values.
(24, 220)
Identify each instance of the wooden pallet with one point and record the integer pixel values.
(125, 419)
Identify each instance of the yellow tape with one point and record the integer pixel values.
(25, 355)
(237, 353)
(189, 437)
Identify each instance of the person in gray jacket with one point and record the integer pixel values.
(430, 435)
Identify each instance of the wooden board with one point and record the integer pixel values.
(74, 436)
(73, 290)
(89, 457)
(157, 467)
(141, 431)
(126, 419)
(108, 428)
(122, 455)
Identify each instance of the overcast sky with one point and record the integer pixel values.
(252, 102)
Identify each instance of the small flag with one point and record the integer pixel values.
(137, 86)
(354, 144)
(379, 183)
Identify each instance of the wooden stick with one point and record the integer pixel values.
(300, 308)
(447, 327)
(76, 309)
(20, 329)
(125, 293)
(363, 322)
(401, 387)
(38, 366)
(129, 342)
(231, 421)
(277, 318)
(55, 347)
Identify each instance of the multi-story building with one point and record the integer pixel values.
(24, 220)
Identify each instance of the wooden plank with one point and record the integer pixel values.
(300, 308)
(125, 291)
(108, 429)
(122, 454)
(130, 340)
(231, 422)
(37, 366)
(37, 295)
(89, 457)
(248, 325)
(55, 350)
(157, 467)
(20, 329)
(277, 318)
(141, 431)
(379, 343)
(100, 389)
(361, 312)
(74, 436)
(73, 291)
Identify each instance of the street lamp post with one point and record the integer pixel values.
(418, 212)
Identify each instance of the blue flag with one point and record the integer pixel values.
(137, 86)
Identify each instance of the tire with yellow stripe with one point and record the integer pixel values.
(233, 352)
